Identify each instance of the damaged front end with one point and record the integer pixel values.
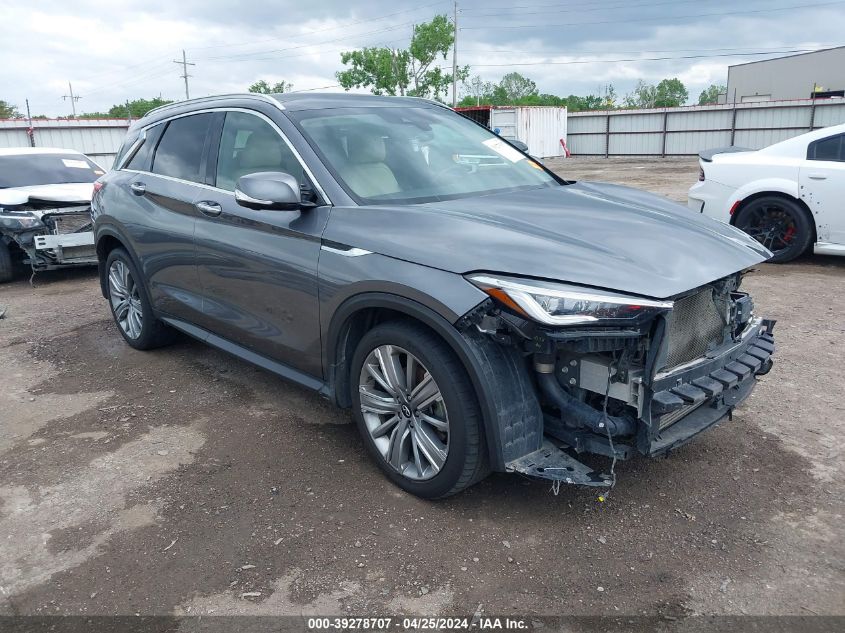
(49, 235)
(617, 375)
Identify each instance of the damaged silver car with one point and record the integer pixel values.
(473, 309)
(45, 209)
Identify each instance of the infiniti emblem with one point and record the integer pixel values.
(406, 411)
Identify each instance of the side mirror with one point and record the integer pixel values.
(522, 147)
(272, 190)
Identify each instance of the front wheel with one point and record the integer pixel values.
(779, 224)
(416, 411)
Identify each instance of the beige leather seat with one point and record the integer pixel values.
(262, 153)
(365, 170)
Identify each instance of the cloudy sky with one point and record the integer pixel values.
(124, 49)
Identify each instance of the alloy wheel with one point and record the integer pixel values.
(404, 412)
(125, 299)
(771, 225)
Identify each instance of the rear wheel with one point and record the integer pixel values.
(130, 304)
(779, 224)
(417, 411)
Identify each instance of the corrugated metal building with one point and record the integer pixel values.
(98, 138)
(540, 127)
(792, 77)
(689, 130)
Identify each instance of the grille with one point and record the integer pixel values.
(71, 223)
(694, 324)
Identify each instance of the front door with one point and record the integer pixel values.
(258, 269)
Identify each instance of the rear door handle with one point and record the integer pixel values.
(209, 208)
(138, 188)
(817, 176)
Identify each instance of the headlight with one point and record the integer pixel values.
(19, 221)
(561, 304)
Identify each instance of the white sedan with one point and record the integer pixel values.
(789, 196)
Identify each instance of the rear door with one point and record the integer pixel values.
(822, 182)
(167, 175)
(258, 269)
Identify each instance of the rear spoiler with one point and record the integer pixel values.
(708, 154)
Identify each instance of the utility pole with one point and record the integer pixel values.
(30, 131)
(73, 99)
(185, 63)
(455, 59)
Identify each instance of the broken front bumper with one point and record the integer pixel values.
(688, 399)
(684, 401)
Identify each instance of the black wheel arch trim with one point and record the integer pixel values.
(509, 406)
(113, 231)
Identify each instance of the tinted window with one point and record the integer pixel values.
(248, 145)
(831, 148)
(179, 154)
(141, 159)
(28, 170)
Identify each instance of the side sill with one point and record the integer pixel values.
(280, 369)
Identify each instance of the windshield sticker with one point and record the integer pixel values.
(503, 149)
(78, 164)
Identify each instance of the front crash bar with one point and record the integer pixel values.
(550, 462)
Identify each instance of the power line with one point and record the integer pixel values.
(646, 5)
(331, 28)
(639, 59)
(652, 18)
(290, 48)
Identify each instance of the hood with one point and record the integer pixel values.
(592, 234)
(74, 192)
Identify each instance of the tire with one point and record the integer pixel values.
(465, 454)
(130, 304)
(7, 268)
(780, 224)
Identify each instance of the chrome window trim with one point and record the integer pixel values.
(267, 119)
(236, 95)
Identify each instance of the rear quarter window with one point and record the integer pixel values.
(180, 152)
(830, 148)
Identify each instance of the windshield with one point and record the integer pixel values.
(416, 154)
(29, 170)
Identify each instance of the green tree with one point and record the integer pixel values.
(410, 71)
(514, 87)
(134, 109)
(711, 94)
(669, 93)
(8, 111)
(264, 88)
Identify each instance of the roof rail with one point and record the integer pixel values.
(248, 95)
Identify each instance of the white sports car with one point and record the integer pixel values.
(788, 195)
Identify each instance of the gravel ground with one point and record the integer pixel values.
(183, 481)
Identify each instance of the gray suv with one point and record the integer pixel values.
(474, 310)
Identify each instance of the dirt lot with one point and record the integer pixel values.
(177, 481)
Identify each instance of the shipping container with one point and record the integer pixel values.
(542, 128)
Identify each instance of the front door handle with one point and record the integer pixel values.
(209, 208)
(817, 176)
(138, 188)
